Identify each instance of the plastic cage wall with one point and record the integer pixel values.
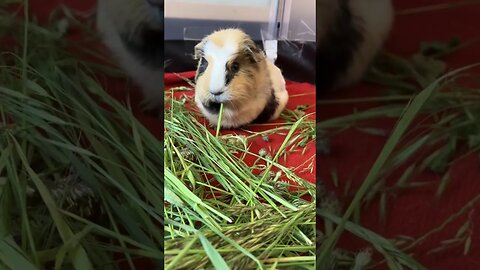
(285, 29)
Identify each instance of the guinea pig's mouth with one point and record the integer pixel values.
(212, 107)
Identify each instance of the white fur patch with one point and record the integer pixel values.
(279, 88)
(220, 56)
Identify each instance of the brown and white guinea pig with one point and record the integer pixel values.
(350, 33)
(234, 72)
(133, 31)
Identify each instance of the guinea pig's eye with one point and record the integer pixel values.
(235, 67)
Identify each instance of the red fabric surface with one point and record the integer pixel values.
(414, 211)
(300, 94)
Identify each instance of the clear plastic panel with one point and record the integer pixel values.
(264, 20)
(194, 19)
(297, 27)
(298, 20)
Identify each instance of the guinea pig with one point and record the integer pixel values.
(234, 72)
(349, 35)
(133, 31)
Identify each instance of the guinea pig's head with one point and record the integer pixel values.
(230, 66)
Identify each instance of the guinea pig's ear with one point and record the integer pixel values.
(198, 50)
(252, 50)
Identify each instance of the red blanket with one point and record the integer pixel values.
(300, 94)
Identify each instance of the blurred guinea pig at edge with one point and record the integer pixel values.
(234, 72)
(350, 33)
(133, 31)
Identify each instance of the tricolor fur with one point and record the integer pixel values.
(233, 71)
(133, 31)
(349, 35)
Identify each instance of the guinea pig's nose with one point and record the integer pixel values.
(216, 93)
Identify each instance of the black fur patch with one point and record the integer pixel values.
(146, 45)
(337, 48)
(201, 68)
(268, 111)
(229, 76)
(230, 71)
(212, 107)
(246, 65)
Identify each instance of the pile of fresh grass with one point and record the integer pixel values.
(219, 213)
(437, 124)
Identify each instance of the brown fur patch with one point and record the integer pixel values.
(244, 59)
(244, 87)
(219, 38)
(250, 49)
